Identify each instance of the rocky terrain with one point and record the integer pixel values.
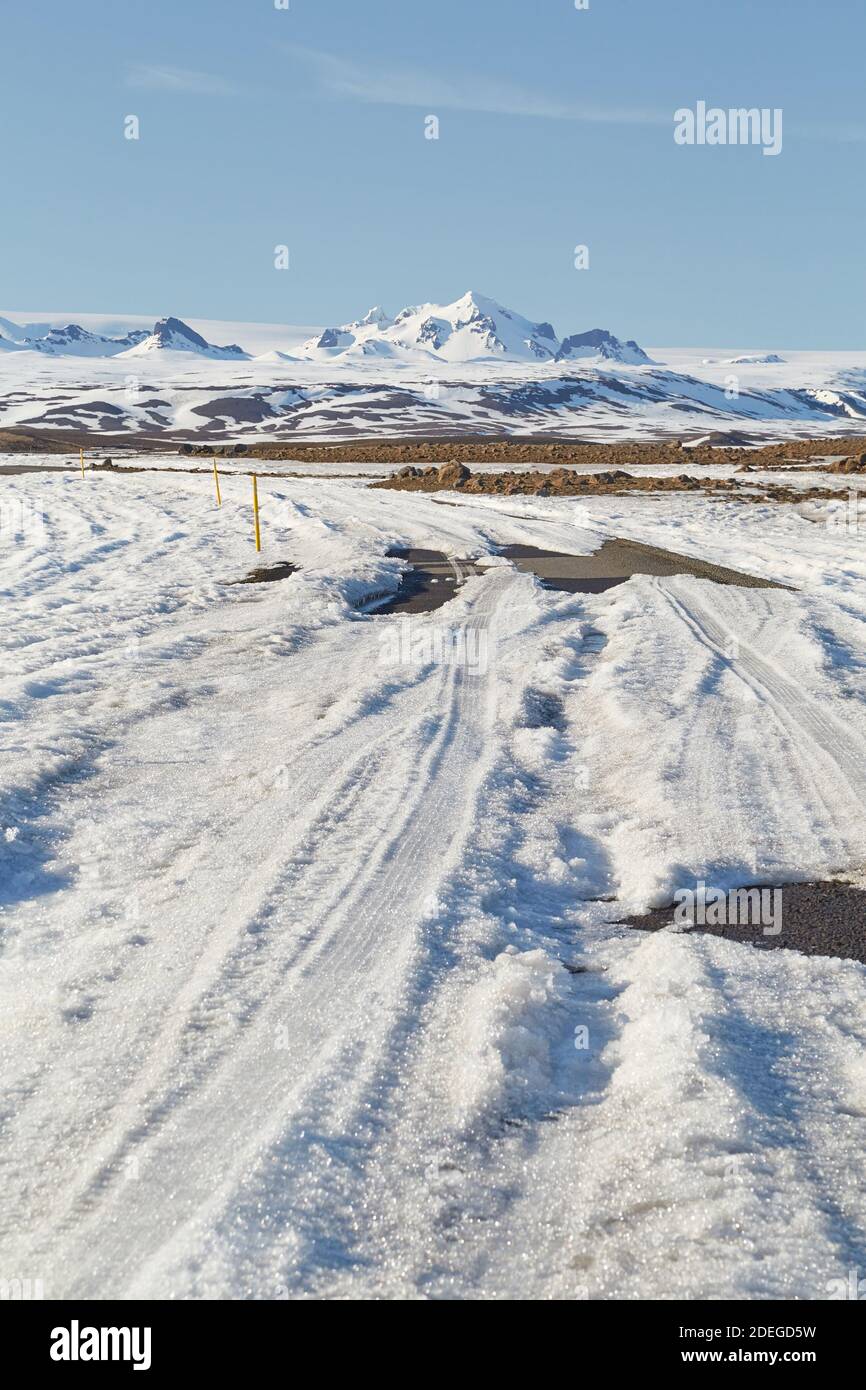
(616, 454)
(567, 482)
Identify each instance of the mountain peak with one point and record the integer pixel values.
(70, 339)
(173, 335)
(169, 329)
(474, 328)
(375, 318)
(481, 303)
(471, 329)
(598, 342)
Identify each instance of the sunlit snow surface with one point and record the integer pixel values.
(288, 388)
(289, 901)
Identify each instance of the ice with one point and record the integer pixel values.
(313, 979)
(513, 1014)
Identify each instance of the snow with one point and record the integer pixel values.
(275, 356)
(470, 330)
(504, 1055)
(599, 343)
(713, 671)
(472, 327)
(715, 1160)
(152, 392)
(314, 982)
(768, 358)
(257, 338)
(172, 335)
(471, 367)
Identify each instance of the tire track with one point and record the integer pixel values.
(332, 990)
(798, 714)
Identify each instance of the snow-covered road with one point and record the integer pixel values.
(310, 977)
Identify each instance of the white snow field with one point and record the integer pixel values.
(311, 977)
(473, 367)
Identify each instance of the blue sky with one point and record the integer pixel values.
(262, 126)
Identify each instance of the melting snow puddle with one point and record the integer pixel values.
(434, 578)
(816, 919)
(267, 574)
(614, 563)
(432, 581)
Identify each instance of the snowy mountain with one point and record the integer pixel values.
(474, 329)
(599, 343)
(468, 368)
(173, 335)
(277, 400)
(74, 341)
(763, 359)
(71, 340)
(275, 357)
(18, 332)
(471, 329)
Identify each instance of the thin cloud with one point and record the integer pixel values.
(843, 134)
(168, 79)
(409, 86)
(405, 86)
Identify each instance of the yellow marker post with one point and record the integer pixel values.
(216, 479)
(81, 451)
(256, 512)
